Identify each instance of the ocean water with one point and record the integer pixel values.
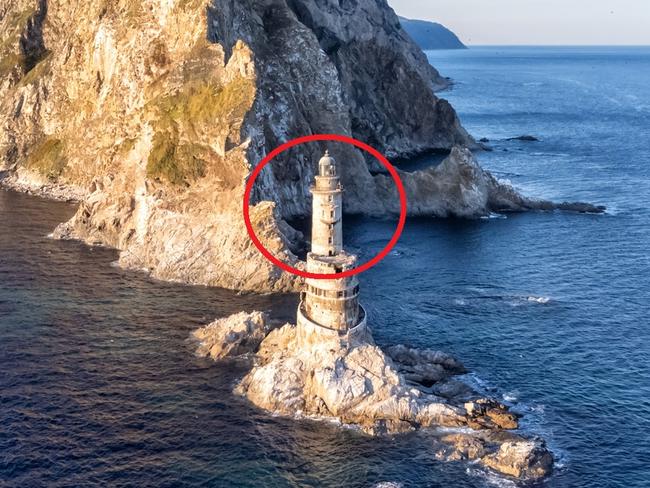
(549, 311)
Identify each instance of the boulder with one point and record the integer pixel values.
(486, 413)
(524, 458)
(460, 447)
(233, 336)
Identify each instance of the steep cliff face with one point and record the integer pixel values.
(155, 112)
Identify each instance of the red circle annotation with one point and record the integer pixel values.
(318, 138)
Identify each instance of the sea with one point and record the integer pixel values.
(548, 310)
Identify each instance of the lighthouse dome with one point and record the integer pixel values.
(327, 165)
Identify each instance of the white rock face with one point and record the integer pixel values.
(354, 383)
(232, 336)
(351, 380)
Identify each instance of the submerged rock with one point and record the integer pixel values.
(462, 447)
(322, 374)
(508, 453)
(525, 138)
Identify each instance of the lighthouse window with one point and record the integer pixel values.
(341, 294)
(329, 240)
(332, 213)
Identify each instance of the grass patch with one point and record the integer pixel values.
(178, 164)
(198, 108)
(48, 158)
(9, 62)
(201, 102)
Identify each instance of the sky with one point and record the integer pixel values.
(546, 22)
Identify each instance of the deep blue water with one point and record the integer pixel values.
(548, 310)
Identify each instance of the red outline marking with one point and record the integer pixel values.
(315, 138)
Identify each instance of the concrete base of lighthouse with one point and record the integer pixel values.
(310, 333)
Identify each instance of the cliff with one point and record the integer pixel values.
(431, 35)
(153, 114)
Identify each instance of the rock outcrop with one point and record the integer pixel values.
(459, 187)
(233, 336)
(323, 375)
(521, 459)
(155, 114)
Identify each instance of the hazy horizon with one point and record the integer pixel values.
(535, 22)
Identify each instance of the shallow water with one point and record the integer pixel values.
(549, 311)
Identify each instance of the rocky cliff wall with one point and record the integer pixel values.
(155, 111)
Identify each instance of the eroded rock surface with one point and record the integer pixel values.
(322, 375)
(459, 187)
(521, 459)
(232, 336)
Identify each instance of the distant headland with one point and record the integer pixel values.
(431, 35)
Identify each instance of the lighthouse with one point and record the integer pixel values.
(329, 306)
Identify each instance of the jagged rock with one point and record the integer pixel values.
(424, 367)
(460, 447)
(486, 413)
(522, 459)
(232, 336)
(508, 454)
(352, 380)
(356, 384)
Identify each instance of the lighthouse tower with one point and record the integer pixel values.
(329, 304)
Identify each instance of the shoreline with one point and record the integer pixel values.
(31, 184)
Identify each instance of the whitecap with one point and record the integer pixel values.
(491, 478)
(510, 397)
(455, 430)
(542, 300)
(538, 408)
(494, 216)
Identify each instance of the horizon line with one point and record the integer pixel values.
(555, 45)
